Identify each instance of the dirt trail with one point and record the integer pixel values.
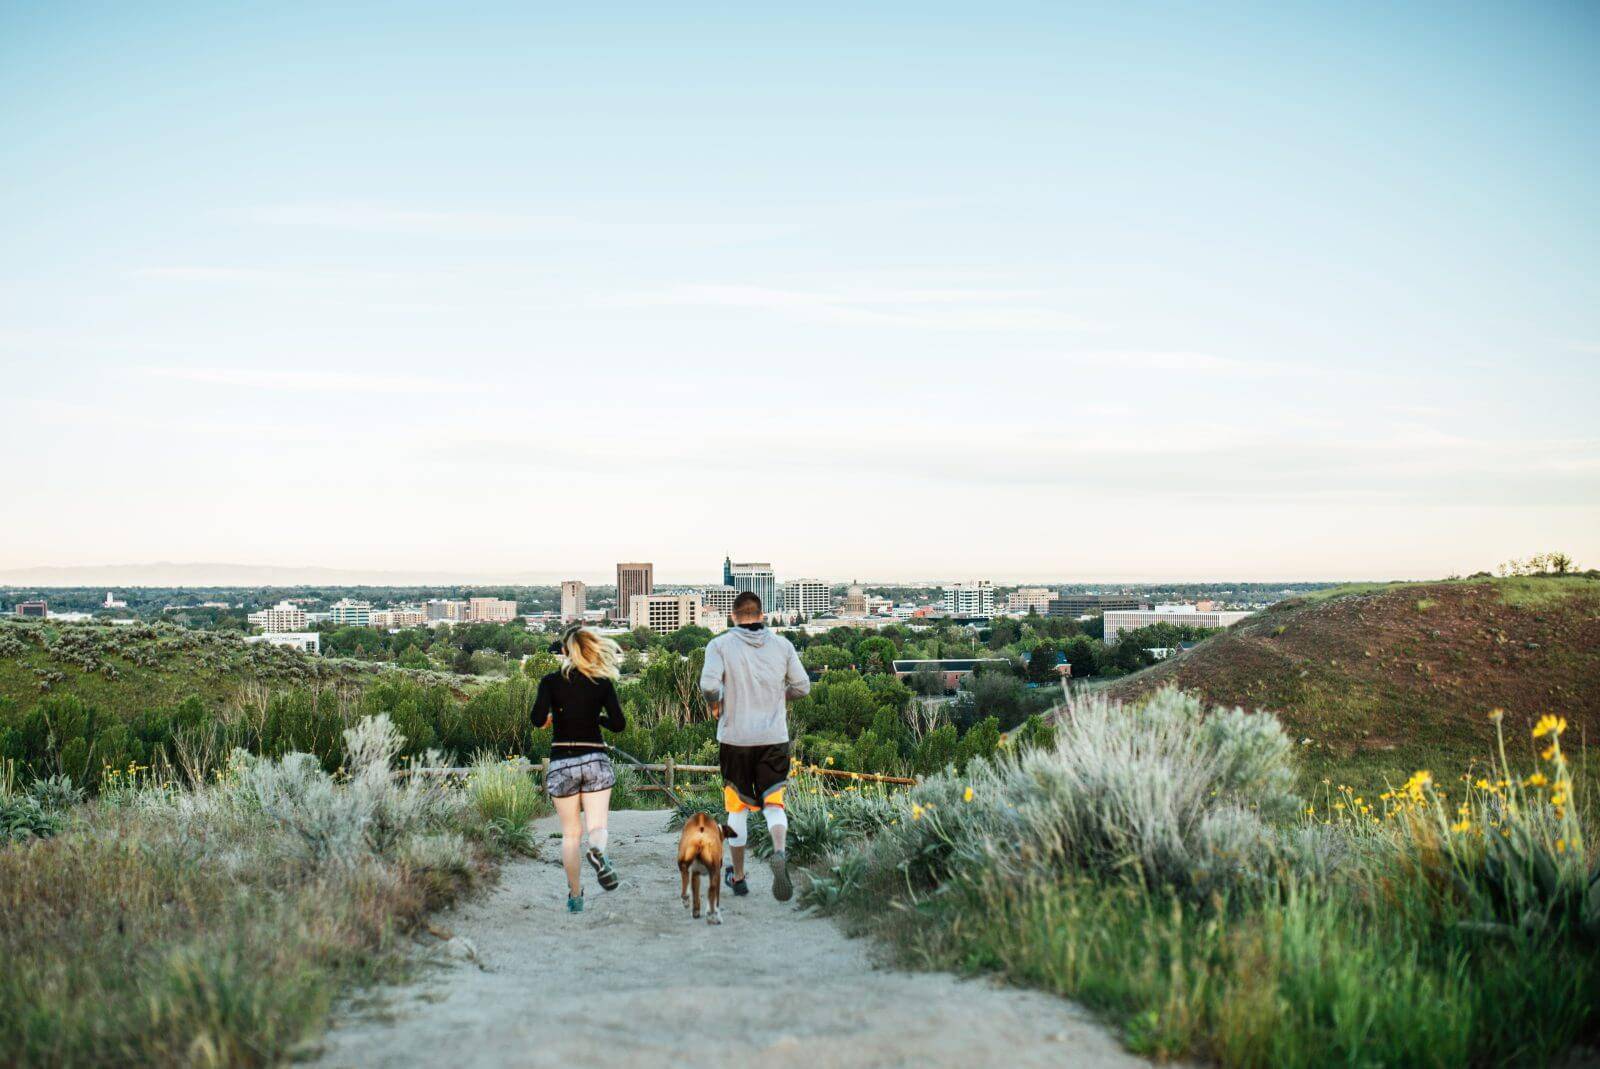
(634, 981)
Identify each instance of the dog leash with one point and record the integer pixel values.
(677, 802)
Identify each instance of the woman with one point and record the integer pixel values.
(580, 776)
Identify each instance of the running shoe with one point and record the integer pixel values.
(740, 887)
(574, 905)
(782, 889)
(603, 870)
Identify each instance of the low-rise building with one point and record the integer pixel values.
(663, 613)
(347, 612)
(283, 618)
(443, 609)
(950, 669)
(1073, 606)
(37, 610)
(716, 601)
(308, 641)
(1028, 599)
(490, 611)
(1117, 622)
(399, 619)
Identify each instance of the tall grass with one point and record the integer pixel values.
(214, 926)
(507, 799)
(1154, 864)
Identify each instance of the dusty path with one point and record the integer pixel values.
(633, 981)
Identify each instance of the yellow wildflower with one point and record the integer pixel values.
(1536, 780)
(916, 812)
(1496, 715)
(1461, 826)
(1549, 725)
(1561, 846)
(966, 796)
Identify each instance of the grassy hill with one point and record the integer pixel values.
(138, 667)
(1378, 680)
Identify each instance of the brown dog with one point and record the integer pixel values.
(700, 854)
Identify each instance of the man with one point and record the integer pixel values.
(751, 675)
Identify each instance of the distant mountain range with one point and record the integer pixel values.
(191, 573)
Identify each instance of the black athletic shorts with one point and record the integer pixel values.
(753, 776)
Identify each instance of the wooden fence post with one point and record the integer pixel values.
(544, 770)
(671, 763)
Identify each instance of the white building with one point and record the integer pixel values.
(113, 602)
(348, 613)
(1118, 621)
(663, 613)
(574, 600)
(759, 579)
(1028, 599)
(284, 618)
(972, 598)
(807, 597)
(491, 611)
(306, 641)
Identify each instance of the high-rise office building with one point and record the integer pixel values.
(633, 578)
(759, 579)
(972, 598)
(807, 597)
(574, 599)
(727, 571)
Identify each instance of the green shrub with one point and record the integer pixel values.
(507, 799)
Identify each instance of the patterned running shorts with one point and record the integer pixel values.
(583, 774)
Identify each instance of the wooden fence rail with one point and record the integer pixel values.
(670, 769)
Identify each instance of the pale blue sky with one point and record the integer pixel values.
(1025, 291)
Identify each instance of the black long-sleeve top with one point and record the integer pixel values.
(576, 703)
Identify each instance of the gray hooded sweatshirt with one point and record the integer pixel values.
(753, 673)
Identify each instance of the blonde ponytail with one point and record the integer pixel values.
(591, 653)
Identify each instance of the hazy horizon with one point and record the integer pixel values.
(1247, 291)
(218, 574)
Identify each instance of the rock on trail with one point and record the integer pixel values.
(633, 981)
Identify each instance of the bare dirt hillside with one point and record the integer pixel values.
(1383, 679)
(633, 981)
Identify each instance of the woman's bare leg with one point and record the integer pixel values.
(571, 841)
(596, 808)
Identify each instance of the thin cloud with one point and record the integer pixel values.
(929, 308)
(312, 381)
(377, 218)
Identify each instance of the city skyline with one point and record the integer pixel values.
(1253, 291)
